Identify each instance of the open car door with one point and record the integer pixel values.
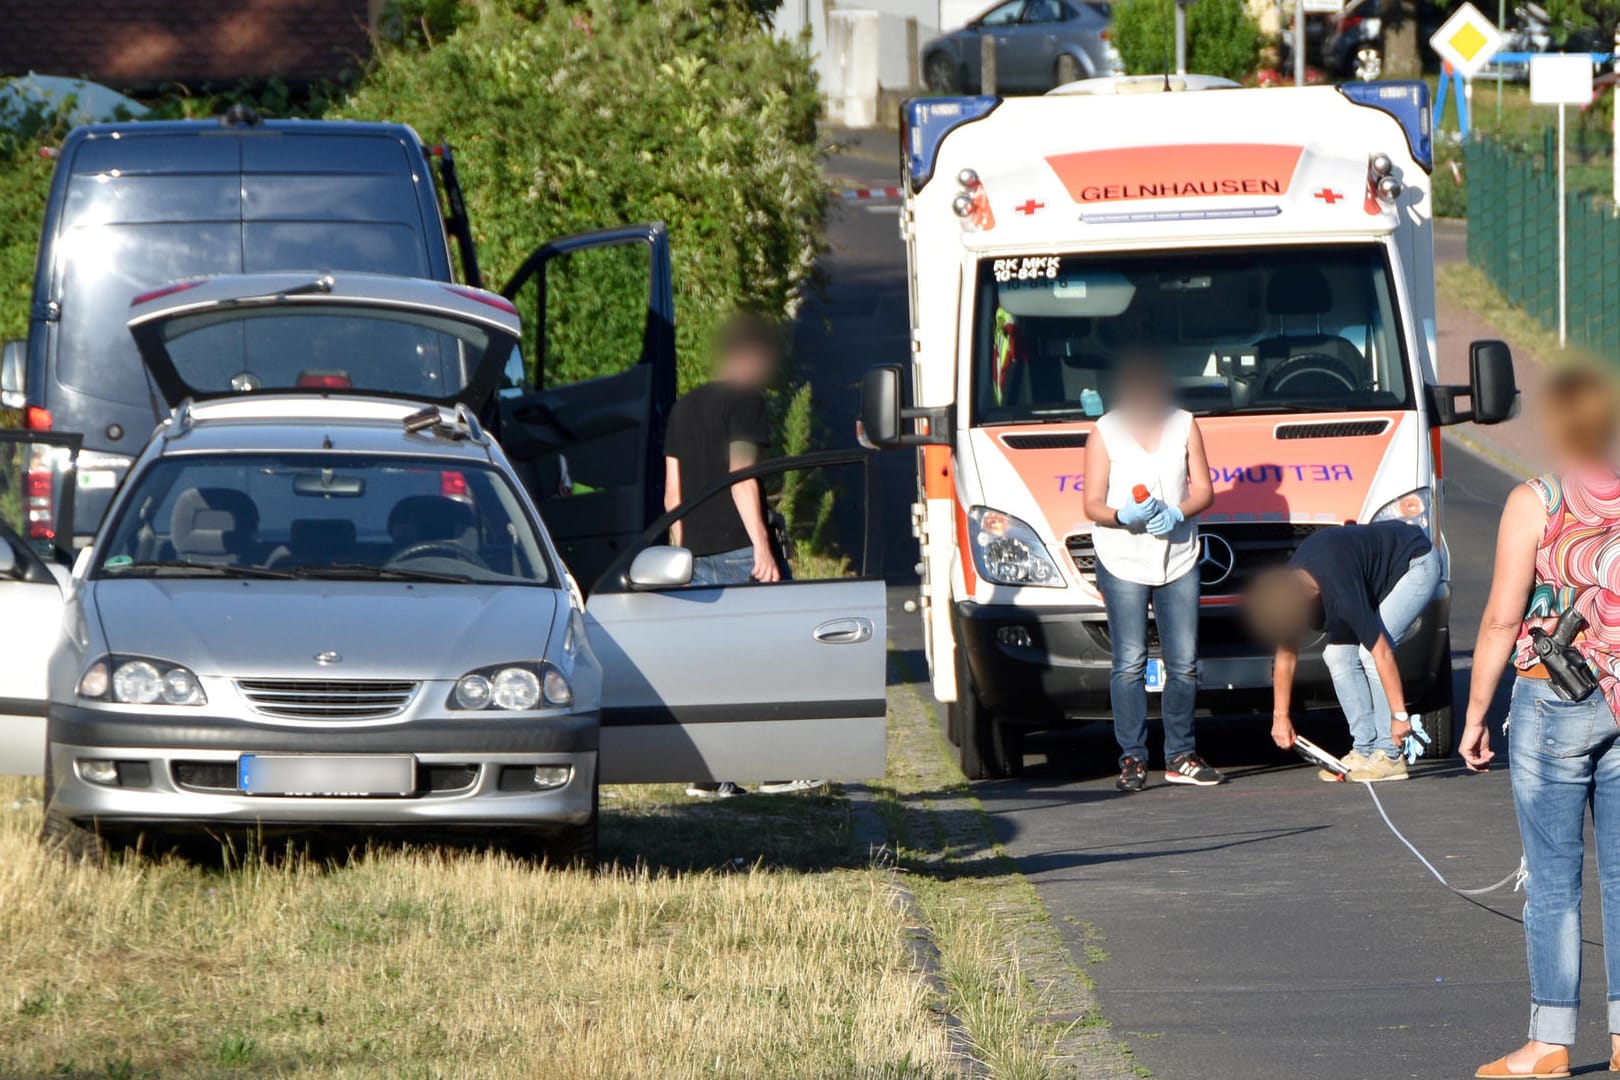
(586, 430)
(748, 681)
(34, 467)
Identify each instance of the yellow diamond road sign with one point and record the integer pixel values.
(1467, 40)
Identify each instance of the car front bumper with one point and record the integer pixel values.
(1062, 672)
(177, 772)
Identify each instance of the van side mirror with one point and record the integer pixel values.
(1491, 385)
(882, 420)
(661, 567)
(14, 374)
(1493, 395)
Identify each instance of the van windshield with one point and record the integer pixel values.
(333, 516)
(1294, 329)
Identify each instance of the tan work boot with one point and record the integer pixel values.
(1380, 767)
(1353, 760)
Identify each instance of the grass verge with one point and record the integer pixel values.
(752, 945)
(1465, 286)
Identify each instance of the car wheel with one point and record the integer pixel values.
(576, 847)
(1067, 71)
(939, 72)
(1368, 63)
(66, 837)
(989, 749)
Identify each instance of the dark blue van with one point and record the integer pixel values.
(136, 206)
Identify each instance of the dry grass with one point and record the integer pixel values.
(451, 963)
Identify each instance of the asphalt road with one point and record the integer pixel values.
(1272, 927)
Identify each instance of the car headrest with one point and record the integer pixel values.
(416, 518)
(212, 521)
(1298, 290)
(320, 536)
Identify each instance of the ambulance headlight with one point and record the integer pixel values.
(1006, 551)
(1414, 508)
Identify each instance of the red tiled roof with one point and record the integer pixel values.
(142, 43)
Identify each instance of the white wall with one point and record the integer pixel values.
(893, 62)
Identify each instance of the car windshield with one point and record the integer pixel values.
(1258, 330)
(324, 515)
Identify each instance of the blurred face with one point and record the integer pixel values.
(749, 365)
(1576, 418)
(1141, 388)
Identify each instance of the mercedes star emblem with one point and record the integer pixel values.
(1216, 559)
(327, 657)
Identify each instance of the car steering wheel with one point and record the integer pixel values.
(1320, 372)
(448, 548)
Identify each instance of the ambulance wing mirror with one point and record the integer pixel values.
(882, 423)
(1493, 394)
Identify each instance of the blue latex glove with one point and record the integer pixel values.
(1416, 743)
(1165, 520)
(1134, 515)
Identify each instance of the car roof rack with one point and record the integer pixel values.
(458, 424)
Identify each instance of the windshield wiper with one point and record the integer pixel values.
(197, 568)
(363, 572)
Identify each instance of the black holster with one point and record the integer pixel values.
(1571, 676)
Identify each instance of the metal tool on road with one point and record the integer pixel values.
(1318, 756)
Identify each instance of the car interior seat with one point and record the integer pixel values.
(418, 519)
(317, 542)
(1301, 295)
(214, 527)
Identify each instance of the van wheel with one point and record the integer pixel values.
(990, 749)
(1439, 716)
(1067, 71)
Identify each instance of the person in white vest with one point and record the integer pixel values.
(1147, 550)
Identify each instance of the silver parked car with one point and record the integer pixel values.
(1039, 44)
(322, 596)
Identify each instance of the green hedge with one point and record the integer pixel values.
(602, 113)
(1222, 37)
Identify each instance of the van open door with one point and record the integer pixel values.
(750, 681)
(587, 430)
(33, 586)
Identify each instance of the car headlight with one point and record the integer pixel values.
(1414, 508)
(1006, 551)
(512, 687)
(135, 680)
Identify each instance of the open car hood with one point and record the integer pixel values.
(324, 333)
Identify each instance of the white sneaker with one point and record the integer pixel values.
(726, 789)
(782, 787)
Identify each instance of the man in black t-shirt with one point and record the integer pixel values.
(1364, 586)
(715, 430)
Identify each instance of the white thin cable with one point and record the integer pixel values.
(1516, 879)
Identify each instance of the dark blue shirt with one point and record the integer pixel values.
(1356, 567)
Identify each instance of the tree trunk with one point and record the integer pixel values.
(1402, 56)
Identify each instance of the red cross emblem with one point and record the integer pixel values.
(1030, 207)
(1328, 195)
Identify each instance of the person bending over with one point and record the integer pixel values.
(1147, 550)
(1364, 586)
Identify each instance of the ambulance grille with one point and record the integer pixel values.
(1333, 429)
(1230, 554)
(1065, 440)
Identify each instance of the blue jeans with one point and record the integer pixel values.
(1355, 676)
(1175, 610)
(1563, 757)
(729, 568)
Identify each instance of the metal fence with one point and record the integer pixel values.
(1513, 241)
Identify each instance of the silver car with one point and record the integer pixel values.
(322, 596)
(1039, 44)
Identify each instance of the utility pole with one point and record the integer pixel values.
(987, 63)
(1181, 37)
(1299, 42)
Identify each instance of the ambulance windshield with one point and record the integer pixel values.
(1257, 330)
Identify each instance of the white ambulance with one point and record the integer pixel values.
(1275, 248)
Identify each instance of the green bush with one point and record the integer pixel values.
(1222, 37)
(600, 113)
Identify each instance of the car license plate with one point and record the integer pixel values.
(1155, 676)
(337, 776)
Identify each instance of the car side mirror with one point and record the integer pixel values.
(1491, 385)
(1493, 395)
(14, 374)
(662, 567)
(882, 420)
(8, 559)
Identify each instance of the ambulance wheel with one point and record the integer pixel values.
(989, 749)
(939, 72)
(1439, 716)
(1067, 71)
